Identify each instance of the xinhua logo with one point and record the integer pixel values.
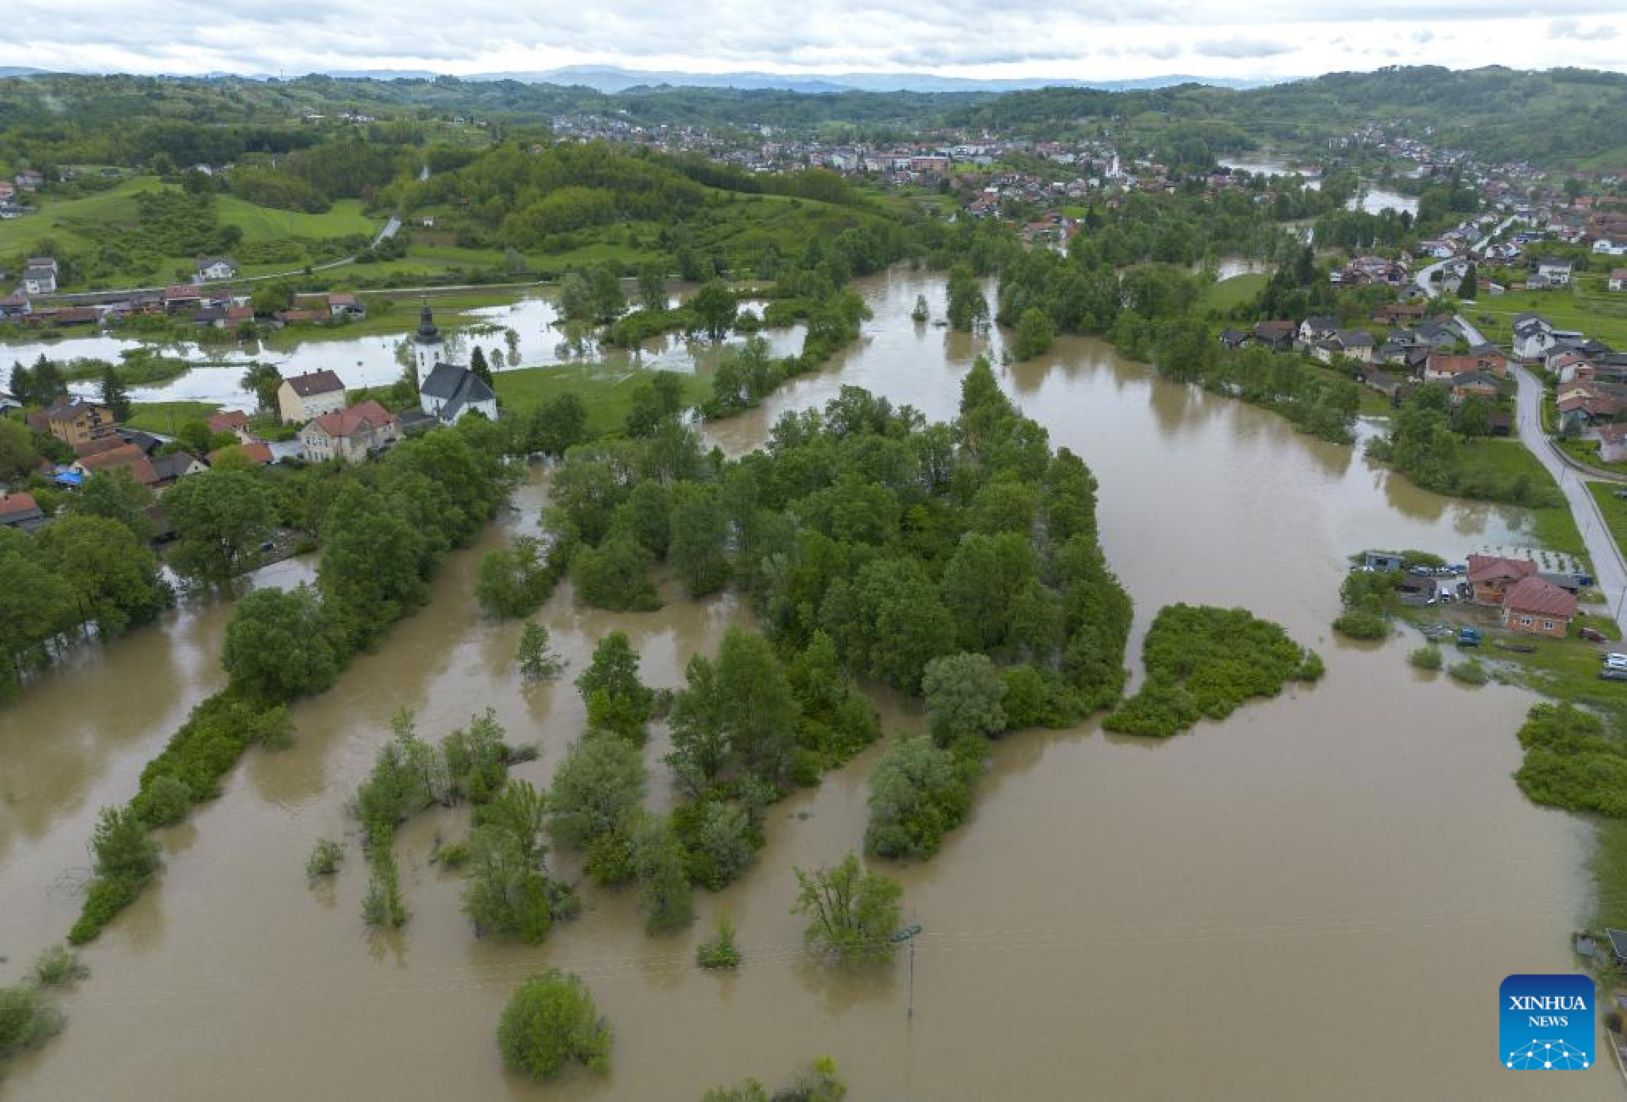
(1546, 1023)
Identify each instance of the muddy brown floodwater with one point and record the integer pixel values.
(1316, 898)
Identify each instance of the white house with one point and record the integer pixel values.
(303, 398)
(451, 391)
(1552, 272)
(40, 275)
(1618, 279)
(1534, 335)
(1610, 246)
(214, 267)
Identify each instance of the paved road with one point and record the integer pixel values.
(1609, 570)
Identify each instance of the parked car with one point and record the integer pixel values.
(1609, 674)
(1469, 637)
(1592, 635)
(1616, 661)
(1584, 580)
(1421, 571)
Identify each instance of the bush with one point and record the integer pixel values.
(121, 846)
(104, 899)
(919, 792)
(1571, 762)
(515, 581)
(1469, 673)
(58, 965)
(1205, 662)
(1426, 658)
(549, 1021)
(615, 576)
(324, 859)
(719, 951)
(165, 802)
(26, 1019)
(1362, 624)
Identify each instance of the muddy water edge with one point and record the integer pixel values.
(1316, 898)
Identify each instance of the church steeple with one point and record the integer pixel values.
(426, 325)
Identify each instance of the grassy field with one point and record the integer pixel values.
(166, 417)
(606, 392)
(344, 218)
(1613, 508)
(74, 222)
(1587, 451)
(1224, 294)
(1554, 527)
(1596, 313)
(395, 314)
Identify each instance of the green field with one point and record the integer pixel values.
(1224, 294)
(1554, 527)
(606, 392)
(166, 417)
(1596, 313)
(74, 223)
(1613, 508)
(343, 219)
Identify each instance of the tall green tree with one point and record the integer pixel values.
(597, 791)
(549, 1022)
(277, 645)
(115, 395)
(714, 307)
(220, 518)
(852, 913)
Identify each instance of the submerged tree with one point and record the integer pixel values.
(549, 1022)
(852, 913)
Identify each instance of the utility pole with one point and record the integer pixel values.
(908, 934)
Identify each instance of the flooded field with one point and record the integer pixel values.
(1316, 898)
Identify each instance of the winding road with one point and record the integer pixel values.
(1609, 569)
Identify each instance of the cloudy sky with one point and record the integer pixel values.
(1076, 39)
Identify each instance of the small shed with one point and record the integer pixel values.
(1382, 560)
(1618, 946)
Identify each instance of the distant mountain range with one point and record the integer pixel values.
(607, 78)
(610, 79)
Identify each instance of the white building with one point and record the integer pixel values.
(449, 392)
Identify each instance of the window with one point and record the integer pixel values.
(1526, 620)
(1548, 624)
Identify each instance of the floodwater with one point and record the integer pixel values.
(372, 360)
(1316, 898)
(1370, 199)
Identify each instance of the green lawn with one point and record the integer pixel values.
(1224, 294)
(606, 392)
(1595, 312)
(166, 417)
(1554, 527)
(1587, 451)
(344, 218)
(74, 222)
(1613, 508)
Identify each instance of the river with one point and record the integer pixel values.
(1317, 897)
(363, 361)
(1370, 199)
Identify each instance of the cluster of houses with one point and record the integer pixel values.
(202, 302)
(1590, 381)
(1527, 600)
(331, 428)
(13, 190)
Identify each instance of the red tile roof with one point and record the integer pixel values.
(129, 456)
(1539, 598)
(1492, 568)
(228, 421)
(18, 502)
(256, 452)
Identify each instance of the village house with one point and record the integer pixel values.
(1278, 336)
(1618, 279)
(1613, 443)
(15, 307)
(1537, 607)
(255, 451)
(1474, 384)
(21, 511)
(125, 457)
(303, 398)
(40, 275)
(214, 268)
(234, 421)
(75, 421)
(175, 466)
(451, 391)
(30, 180)
(1491, 576)
(181, 296)
(1550, 272)
(351, 434)
(1352, 344)
(1313, 331)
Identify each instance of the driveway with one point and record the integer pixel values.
(1609, 571)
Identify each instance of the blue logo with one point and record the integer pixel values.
(1546, 1023)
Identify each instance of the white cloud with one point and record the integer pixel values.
(1219, 38)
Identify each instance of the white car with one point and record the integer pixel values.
(1616, 661)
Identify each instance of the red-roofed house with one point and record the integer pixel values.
(254, 451)
(350, 434)
(1613, 443)
(1492, 575)
(1537, 607)
(234, 421)
(21, 511)
(130, 457)
(1618, 279)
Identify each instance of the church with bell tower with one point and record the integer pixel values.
(428, 346)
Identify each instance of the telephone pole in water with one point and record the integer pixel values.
(908, 934)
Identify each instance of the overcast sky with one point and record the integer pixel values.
(1075, 39)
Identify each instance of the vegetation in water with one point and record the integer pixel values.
(1426, 657)
(325, 859)
(1469, 672)
(534, 655)
(818, 1082)
(552, 1021)
(719, 950)
(852, 912)
(1203, 662)
(1572, 760)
